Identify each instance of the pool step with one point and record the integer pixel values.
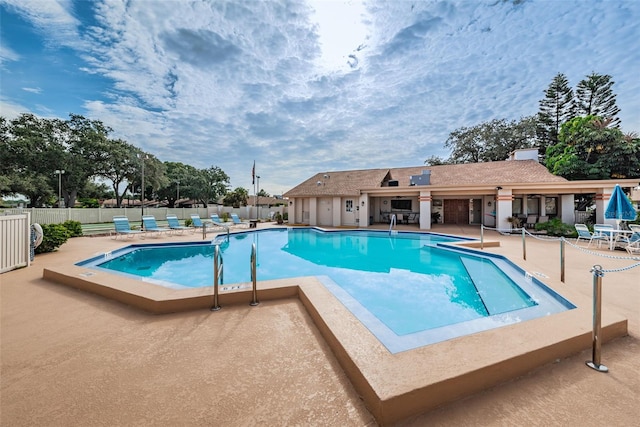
(498, 293)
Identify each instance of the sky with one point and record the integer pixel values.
(302, 87)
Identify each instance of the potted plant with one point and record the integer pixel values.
(435, 217)
(279, 218)
(514, 221)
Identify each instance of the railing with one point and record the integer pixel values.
(254, 263)
(218, 276)
(392, 222)
(15, 242)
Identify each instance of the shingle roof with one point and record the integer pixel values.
(349, 183)
(339, 183)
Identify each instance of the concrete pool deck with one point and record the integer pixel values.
(70, 357)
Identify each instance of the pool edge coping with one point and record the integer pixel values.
(368, 364)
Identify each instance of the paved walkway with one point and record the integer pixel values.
(71, 358)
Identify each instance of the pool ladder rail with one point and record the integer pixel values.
(218, 276)
(392, 222)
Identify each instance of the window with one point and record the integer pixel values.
(516, 206)
(551, 206)
(348, 206)
(401, 205)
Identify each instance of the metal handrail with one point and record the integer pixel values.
(218, 276)
(392, 222)
(254, 262)
(204, 229)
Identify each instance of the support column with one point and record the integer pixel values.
(336, 210)
(425, 210)
(363, 204)
(313, 211)
(602, 198)
(567, 209)
(504, 208)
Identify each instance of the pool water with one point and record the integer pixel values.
(404, 284)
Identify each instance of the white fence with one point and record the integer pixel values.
(15, 236)
(100, 215)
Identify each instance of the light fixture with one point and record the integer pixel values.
(498, 188)
(489, 204)
(290, 203)
(363, 203)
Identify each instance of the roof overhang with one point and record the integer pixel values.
(561, 187)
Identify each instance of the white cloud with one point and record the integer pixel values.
(224, 83)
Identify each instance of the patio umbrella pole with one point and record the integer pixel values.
(597, 306)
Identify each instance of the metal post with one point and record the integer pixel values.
(597, 307)
(216, 277)
(254, 261)
(142, 158)
(59, 172)
(524, 244)
(481, 236)
(562, 259)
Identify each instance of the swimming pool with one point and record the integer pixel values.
(409, 289)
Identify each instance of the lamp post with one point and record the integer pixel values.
(59, 172)
(142, 158)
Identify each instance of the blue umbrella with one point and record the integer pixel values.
(619, 206)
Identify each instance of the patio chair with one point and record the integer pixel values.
(216, 219)
(174, 224)
(531, 221)
(584, 233)
(236, 221)
(196, 222)
(151, 226)
(122, 228)
(604, 233)
(634, 238)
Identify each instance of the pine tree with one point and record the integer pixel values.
(595, 98)
(556, 108)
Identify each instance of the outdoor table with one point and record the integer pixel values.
(614, 235)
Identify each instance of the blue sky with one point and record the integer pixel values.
(305, 87)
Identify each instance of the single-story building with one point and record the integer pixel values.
(473, 193)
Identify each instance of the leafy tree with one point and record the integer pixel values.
(435, 161)
(154, 175)
(177, 174)
(87, 150)
(120, 166)
(589, 149)
(491, 141)
(263, 193)
(236, 198)
(594, 97)
(556, 108)
(29, 153)
(210, 184)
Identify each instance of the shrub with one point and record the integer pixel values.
(188, 222)
(54, 235)
(74, 227)
(224, 216)
(555, 227)
(285, 216)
